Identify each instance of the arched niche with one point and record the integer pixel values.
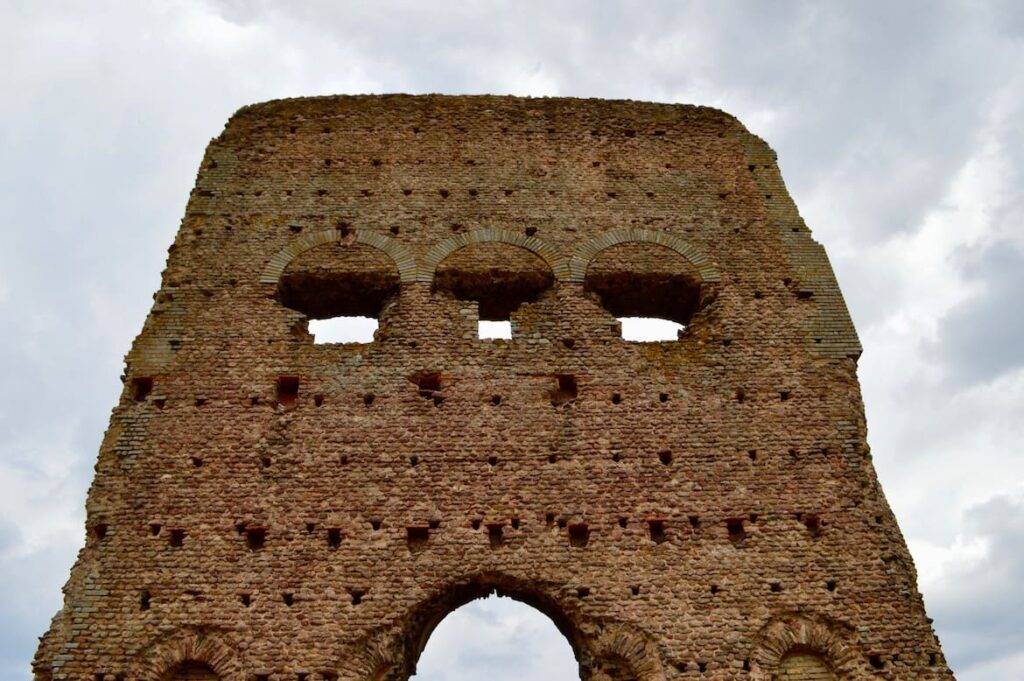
(341, 282)
(191, 670)
(802, 664)
(399, 255)
(806, 648)
(339, 279)
(586, 252)
(556, 262)
(499, 276)
(188, 656)
(644, 279)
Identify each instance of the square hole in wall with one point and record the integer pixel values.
(142, 386)
(343, 330)
(287, 390)
(650, 329)
(491, 330)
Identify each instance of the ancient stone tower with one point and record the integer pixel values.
(267, 508)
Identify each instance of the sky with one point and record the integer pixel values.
(899, 128)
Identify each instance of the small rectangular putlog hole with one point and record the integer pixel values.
(579, 535)
(255, 537)
(334, 537)
(417, 537)
(565, 390)
(142, 386)
(427, 383)
(287, 390)
(495, 534)
(737, 533)
(656, 528)
(176, 537)
(813, 524)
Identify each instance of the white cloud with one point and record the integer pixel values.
(899, 127)
(486, 639)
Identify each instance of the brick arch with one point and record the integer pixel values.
(157, 661)
(618, 642)
(378, 658)
(832, 640)
(392, 654)
(546, 252)
(586, 252)
(404, 260)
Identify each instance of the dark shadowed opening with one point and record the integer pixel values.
(498, 276)
(645, 281)
(631, 294)
(348, 284)
(191, 671)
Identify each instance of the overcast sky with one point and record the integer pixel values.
(900, 132)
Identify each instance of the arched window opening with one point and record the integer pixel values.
(343, 288)
(499, 639)
(804, 665)
(499, 277)
(653, 291)
(191, 671)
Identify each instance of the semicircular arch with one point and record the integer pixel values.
(201, 647)
(831, 640)
(394, 653)
(546, 252)
(403, 259)
(587, 251)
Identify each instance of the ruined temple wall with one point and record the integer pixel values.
(744, 440)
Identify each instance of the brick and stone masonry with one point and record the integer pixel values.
(267, 508)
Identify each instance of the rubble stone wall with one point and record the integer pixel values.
(266, 508)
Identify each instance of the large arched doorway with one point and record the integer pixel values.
(546, 638)
(499, 639)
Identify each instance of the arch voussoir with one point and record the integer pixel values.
(585, 253)
(208, 648)
(403, 259)
(832, 640)
(546, 252)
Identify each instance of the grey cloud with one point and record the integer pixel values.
(872, 106)
(486, 639)
(981, 603)
(31, 596)
(983, 337)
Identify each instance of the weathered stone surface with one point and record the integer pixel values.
(265, 508)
